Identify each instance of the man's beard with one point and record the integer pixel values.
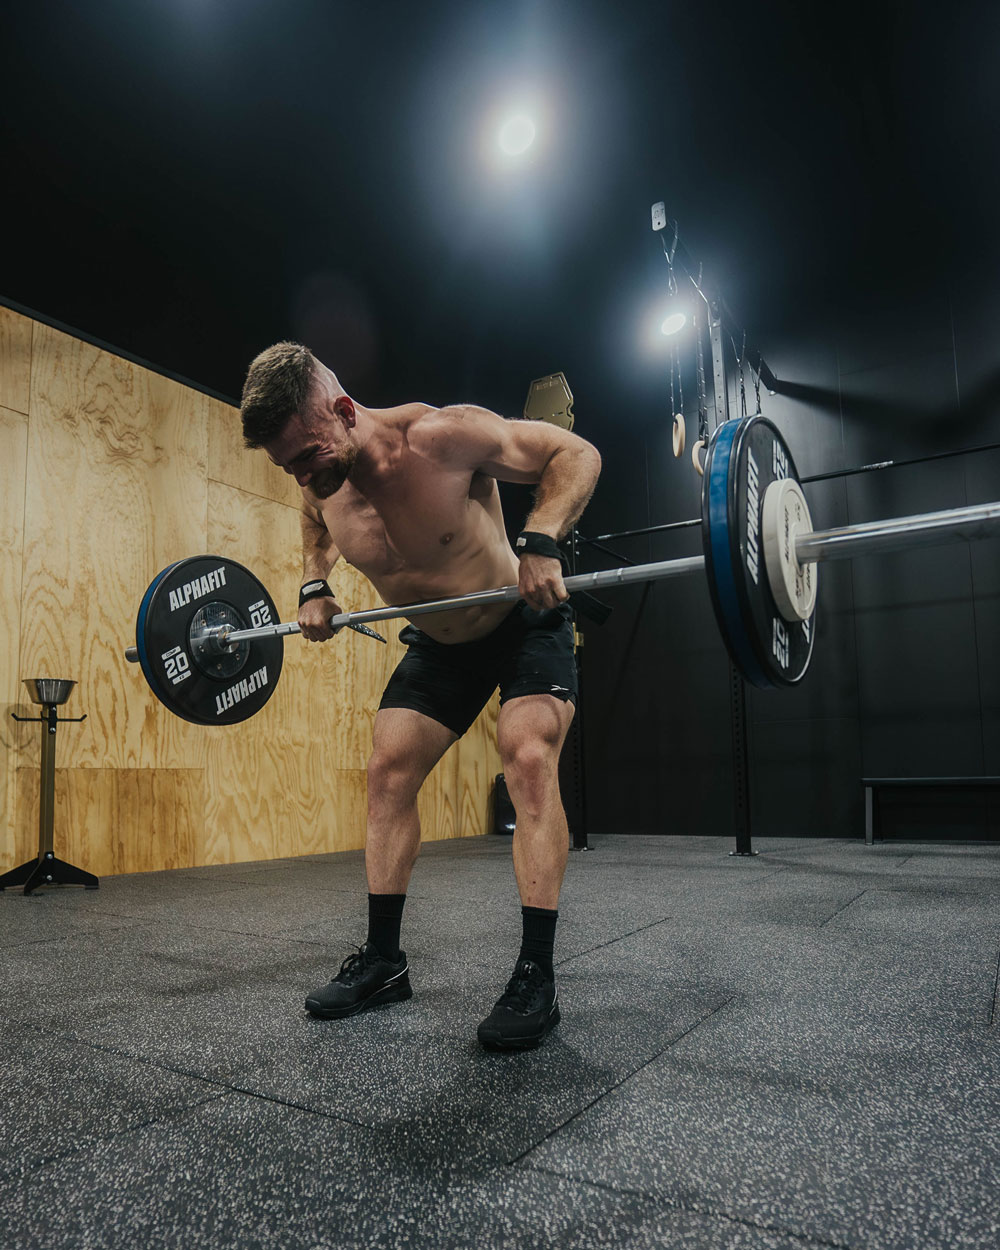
(327, 481)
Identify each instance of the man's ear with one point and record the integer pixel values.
(344, 408)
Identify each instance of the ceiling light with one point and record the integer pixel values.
(517, 134)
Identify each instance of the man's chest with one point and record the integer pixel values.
(414, 522)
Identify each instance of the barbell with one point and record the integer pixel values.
(209, 642)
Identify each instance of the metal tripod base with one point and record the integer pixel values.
(47, 870)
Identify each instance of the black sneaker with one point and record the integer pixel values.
(365, 980)
(525, 1012)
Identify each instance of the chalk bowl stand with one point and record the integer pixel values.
(48, 693)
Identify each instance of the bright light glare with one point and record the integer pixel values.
(517, 134)
(675, 322)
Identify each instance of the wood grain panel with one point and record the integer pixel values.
(116, 490)
(232, 464)
(15, 360)
(280, 801)
(13, 459)
(110, 820)
(158, 817)
(480, 763)
(437, 803)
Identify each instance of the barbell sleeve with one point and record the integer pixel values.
(927, 529)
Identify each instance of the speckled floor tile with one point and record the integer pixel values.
(60, 1097)
(417, 1061)
(243, 1172)
(789, 1050)
(89, 978)
(265, 905)
(26, 920)
(850, 1138)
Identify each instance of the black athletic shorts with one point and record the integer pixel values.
(529, 652)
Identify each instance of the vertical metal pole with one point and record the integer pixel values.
(718, 362)
(574, 744)
(737, 686)
(46, 800)
(741, 762)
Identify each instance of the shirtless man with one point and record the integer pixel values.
(409, 496)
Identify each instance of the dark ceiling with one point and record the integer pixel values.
(190, 180)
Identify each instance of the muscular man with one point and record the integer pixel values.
(409, 496)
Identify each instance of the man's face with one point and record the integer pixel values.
(317, 453)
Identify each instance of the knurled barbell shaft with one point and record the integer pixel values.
(483, 598)
(926, 529)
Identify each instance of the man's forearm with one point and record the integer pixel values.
(564, 489)
(319, 553)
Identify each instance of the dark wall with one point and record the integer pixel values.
(905, 678)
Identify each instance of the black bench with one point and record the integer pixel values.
(873, 784)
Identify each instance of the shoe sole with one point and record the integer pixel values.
(495, 1041)
(388, 994)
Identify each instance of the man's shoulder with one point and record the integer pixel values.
(425, 416)
(409, 418)
(433, 430)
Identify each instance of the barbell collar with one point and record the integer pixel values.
(927, 529)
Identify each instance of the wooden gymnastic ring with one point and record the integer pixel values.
(679, 435)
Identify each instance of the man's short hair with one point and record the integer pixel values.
(277, 386)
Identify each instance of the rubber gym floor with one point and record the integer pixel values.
(792, 1051)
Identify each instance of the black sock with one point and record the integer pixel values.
(538, 937)
(385, 913)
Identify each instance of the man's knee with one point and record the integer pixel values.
(393, 777)
(531, 770)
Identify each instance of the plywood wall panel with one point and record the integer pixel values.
(437, 804)
(13, 458)
(113, 820)
(480, 763)
(15, 360)
(278, 802)
(158, 817)
(116, 490)
(232, 464)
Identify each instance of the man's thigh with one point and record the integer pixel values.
(408, 741)
(532, 721)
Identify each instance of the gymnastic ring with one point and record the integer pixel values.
(679, 435)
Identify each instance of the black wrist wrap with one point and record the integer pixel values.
(318, 589)
(530, 543)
